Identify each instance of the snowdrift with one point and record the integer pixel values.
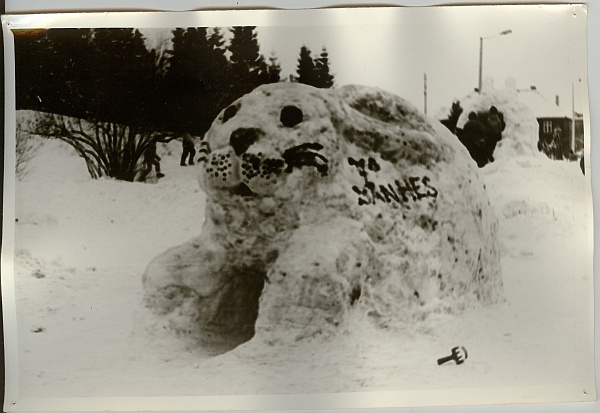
(320, 202)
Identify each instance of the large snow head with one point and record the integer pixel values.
(323, 204)
(277, 137)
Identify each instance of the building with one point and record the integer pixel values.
(551, 116)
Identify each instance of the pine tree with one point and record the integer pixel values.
(123, 72)
(97, 84)
(32, 77)
(200, 80)
(188, 80)
(306, 68)
(52, 70)
(274, 70)
(221, 71)
(245, 53)
(218, 60)
(248, 67)
(324, 79)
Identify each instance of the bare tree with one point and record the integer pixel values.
(109, 149)
(26, 147)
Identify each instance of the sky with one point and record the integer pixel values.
(545, 49)
(394, 48)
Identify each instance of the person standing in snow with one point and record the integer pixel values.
(557, 148)
(151, 159)
(189, 150)
(474, 138)
(495, 126)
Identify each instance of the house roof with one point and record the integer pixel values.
(541, 107)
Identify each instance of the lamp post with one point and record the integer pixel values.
(481, 39)
(573, 117)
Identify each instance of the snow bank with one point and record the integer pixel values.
(560, 209)
(320, 202)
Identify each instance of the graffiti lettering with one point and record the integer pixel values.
(413, 188)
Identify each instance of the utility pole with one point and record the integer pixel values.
(480, 63)
(573, 117)
(502, 33)
(425, 92)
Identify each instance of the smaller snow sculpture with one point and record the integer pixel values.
(519, 136)
(322, 204)
(481, 134)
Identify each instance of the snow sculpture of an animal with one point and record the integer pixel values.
(322, 204)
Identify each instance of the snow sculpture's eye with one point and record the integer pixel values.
(229, 113)
(290, 116)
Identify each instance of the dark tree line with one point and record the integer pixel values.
(111, 97)
(314, 71)
(110, 75)
(84, 73)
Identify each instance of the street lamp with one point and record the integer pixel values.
(502, 33)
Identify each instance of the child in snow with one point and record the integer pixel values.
(473, 137)
(151, 158)
(189, 150)
(495, 126)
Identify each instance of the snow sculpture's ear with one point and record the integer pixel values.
(378, 121)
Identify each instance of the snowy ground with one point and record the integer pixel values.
(82, 246)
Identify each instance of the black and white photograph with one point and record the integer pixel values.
(349, 207)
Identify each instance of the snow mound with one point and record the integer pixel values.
(321, 205)
(525, 175)
(520, 136)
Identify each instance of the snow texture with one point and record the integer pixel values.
(319, 201)
(82, 246)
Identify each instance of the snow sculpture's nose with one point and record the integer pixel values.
(241, 139)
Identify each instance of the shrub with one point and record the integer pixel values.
(26, 146)
(108, 148)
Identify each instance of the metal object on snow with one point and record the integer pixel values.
(459, 355)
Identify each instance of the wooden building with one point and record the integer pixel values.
(555, 121)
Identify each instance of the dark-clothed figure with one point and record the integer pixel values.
(557, 147)
(473, 136)
(494, 126)
(552, 146)
(151, 159)
(189, 150)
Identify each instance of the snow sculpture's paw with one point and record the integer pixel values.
(322, 204)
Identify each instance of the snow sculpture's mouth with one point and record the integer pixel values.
(306, 154)
(243, 190)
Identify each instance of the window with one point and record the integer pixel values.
(547, 126)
